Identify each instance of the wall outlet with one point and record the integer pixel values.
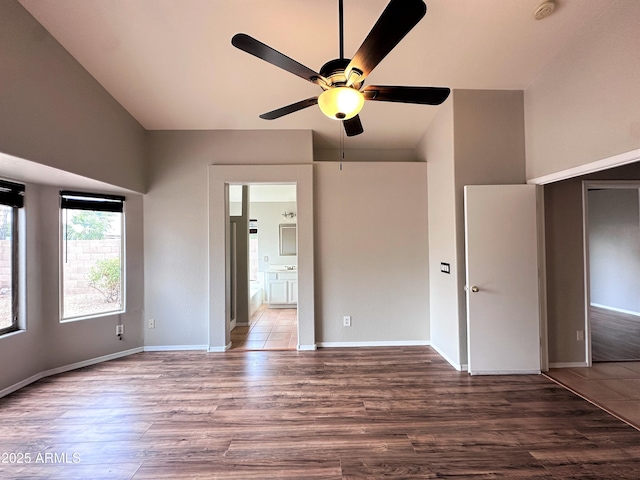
(152, 323)
(580, 335)
(346, 320)
(119, 329)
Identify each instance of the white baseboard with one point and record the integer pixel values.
(457, 366)
(614, 309)
(506, 372)
(173, 348)
(401, 343)
(218, 349)
(307, 348)
(568, 365)
(67, 368)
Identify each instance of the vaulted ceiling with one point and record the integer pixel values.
(171, 64)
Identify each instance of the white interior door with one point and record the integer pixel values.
(503, 318)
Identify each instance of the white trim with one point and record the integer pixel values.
(542, 280)
(598, 165)
(614, 309)
(506, 372)
(399, 343)
(586, 268)
(66, 368)
(568, 365)
(173, 348)
(457, 366)
(218, 349)
(219, 177)
(307, 348)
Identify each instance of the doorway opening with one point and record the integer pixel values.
(612, 260)
(220, 178)
(264, 266)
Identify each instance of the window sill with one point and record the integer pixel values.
(91, 317)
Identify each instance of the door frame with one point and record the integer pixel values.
(586, 186)
(607, 163)
(524, 354)
(220, 176)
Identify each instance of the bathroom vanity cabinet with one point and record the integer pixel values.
(282, 289)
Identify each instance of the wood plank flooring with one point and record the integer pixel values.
(328, 414)
(615, 336)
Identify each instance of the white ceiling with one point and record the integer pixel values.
(171, 64)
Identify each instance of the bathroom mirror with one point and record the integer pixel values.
(288, 245)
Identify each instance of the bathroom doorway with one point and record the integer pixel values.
(266, 300)
(220, 178)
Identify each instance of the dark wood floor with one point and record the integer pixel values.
(329, 414)
(615, 336)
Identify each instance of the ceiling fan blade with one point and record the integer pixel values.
(396, 21)
(294, 107)
(421, 95)
(254, 47)
(353, 126)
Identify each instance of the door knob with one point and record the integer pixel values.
(475, 289)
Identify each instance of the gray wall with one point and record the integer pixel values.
(269, 216)
(46, 343)
(176, 220)
(614, 248)
(564, 245)
(477, 138)
(54, 113)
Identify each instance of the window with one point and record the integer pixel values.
(11, 200)
(92, 254)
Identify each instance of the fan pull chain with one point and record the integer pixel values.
(341, 145)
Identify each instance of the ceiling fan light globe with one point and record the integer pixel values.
(341, 103)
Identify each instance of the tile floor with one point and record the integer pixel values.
(269, 329)
(613, 386)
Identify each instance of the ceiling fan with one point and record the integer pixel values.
(342, 79)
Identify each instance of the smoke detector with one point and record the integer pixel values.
(544, 10)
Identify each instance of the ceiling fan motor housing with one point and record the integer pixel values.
(333, 71)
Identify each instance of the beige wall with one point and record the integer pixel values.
(585, 106)
(371, 253)
(436, 147)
